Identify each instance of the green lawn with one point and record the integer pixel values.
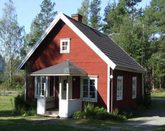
(6, 105)
(162, 128)
(8, 121)
(158, 93)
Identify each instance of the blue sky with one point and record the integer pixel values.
(28, 9)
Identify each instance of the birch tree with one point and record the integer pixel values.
(11, 38)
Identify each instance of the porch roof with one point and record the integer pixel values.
(66, 68)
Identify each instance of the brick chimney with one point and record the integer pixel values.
(77, 17)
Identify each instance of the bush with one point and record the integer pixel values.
(79, 115)
(24, 108)
(128, 112)
(100, 113)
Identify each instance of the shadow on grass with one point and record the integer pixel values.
(7, 113)
(36, 125)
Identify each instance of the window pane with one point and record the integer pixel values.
(92, 82)
(119, 88)
(92, 88)
(85, 88)
(64, 45)
(85, 94)
(85, 81)
(92, 94)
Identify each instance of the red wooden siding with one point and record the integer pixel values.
(49, 54)
(127, 89)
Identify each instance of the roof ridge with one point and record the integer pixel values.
(86, 25)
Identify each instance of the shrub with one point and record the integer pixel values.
(79, 115)
(128, 112)
(22, 107)
(100, 113)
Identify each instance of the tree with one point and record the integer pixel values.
(113, 16)
(95, 18)
(156, 25)
(84, 11)
(41, 22)
(11, 38)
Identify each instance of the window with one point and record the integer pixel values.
(119, 87)
(41, 86)
(89, 89)
(134, 87)
(65, 45)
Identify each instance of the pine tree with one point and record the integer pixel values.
(41, 22)
(153, 18)
(95, 18)
(84, 11)
(11, 38)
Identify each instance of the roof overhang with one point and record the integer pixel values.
(61, 16)
(66, 68)
(130, 69)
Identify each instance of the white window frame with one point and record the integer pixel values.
(96, 87)
(134, 87)
(119, 89)
(67, 40)
(39, 88)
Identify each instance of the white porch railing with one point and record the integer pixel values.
(68, 107)
(44, 103)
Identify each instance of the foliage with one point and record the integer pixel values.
(84, 11)
(11, 39)
(160, 93)
(95, 18)
(100, 113)
(24, 108)
(39, 25)
(140, 33)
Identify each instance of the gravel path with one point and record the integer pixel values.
(149, 119)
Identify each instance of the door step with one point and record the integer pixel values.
(52, 114)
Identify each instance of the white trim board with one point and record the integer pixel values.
(78, 32)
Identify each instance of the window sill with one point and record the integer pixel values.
(89, 99)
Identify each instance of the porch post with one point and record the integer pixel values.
(60, 90)
(67, 90)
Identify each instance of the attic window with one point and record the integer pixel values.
(65, 45)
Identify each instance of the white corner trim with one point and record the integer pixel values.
(108, 88)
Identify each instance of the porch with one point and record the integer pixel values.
(57, 89)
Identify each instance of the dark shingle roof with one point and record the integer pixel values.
(108, 47)
(65, 68)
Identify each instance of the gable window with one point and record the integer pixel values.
(41, 86)
(134, 87)
(65, 45)
(119, 87)
(89, 89)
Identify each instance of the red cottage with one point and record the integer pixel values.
(72, 63)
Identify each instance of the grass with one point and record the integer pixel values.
(158, 93)
(6, 105)
(9, 121)
(29, 125)
(162, 128)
